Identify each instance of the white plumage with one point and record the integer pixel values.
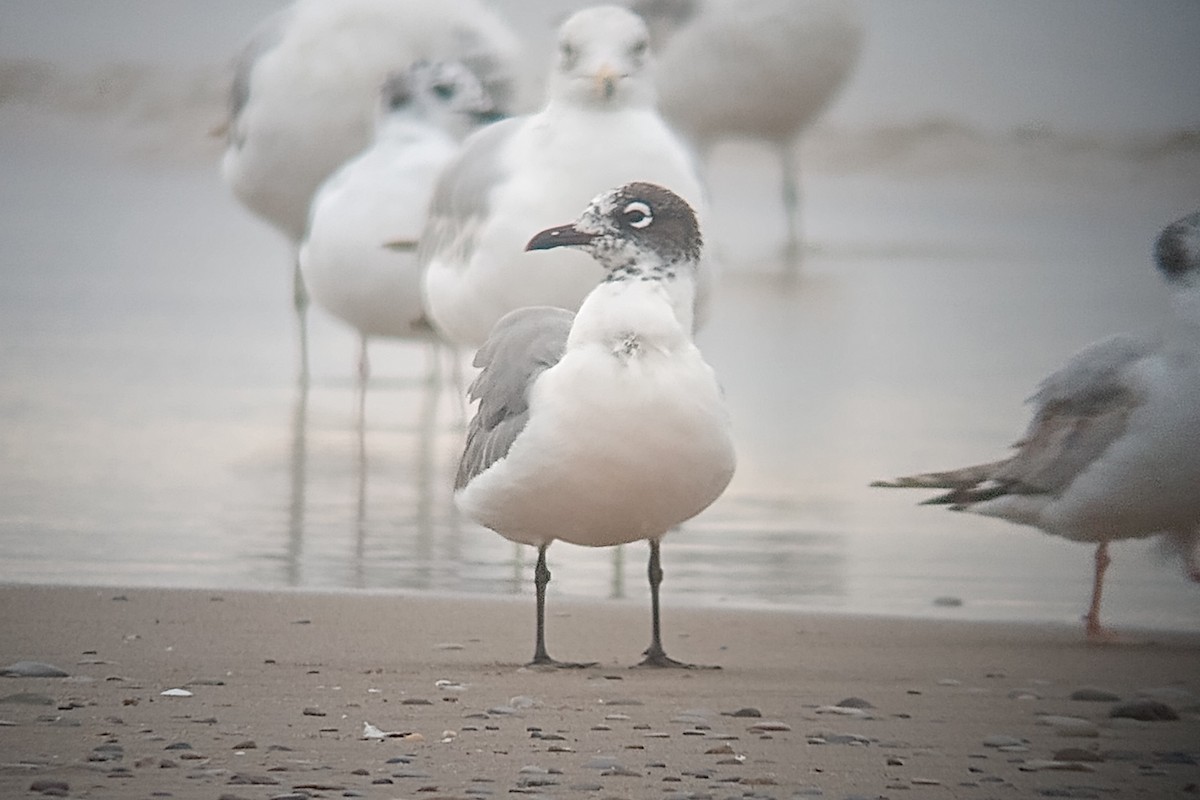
(754, 69)
(598, 129)
(305, 90)
(382, 196)
(607, 426)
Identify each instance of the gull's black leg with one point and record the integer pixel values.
(541, 577)
(655, 655)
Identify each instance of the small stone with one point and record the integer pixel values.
(313, 711)
(947, 602)
(1090, 694)
(50, 788)
(32, 669)
(246, 779)
(178, 746)
(1039, 765)
(843, 711)
(416, 701)
(854, 702)
(1002, 740)
(1146, 710)
(249, 744)
(176, 693)
(769, 726)
(1024, 694)
(744, 712)
(895, 762)
(926, 782)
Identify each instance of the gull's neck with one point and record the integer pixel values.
(407, 126)
(652, 304)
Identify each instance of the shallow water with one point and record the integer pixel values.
(152, 433)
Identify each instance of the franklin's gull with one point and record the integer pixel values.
(606, 426)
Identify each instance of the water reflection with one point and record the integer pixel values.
(387, 520)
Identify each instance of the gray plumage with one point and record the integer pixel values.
(461, 198)
(522, 345)
(1177, 249)
(1079, 411)
(264, 39)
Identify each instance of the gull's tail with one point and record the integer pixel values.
(966, 486)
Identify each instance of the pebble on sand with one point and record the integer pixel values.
(1145, 710)
(32, 669)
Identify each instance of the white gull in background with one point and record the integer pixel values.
(607, 426)
(304, 95)
(382, 195)
(1113, 451)
(753, 69)
(598, 129)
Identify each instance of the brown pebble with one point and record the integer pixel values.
(50, 787)
(745, 712)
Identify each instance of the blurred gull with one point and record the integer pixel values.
(755, 69)
(1113, 451)
(381, 196)
(304, 94)
(599, 129)
(606, 426)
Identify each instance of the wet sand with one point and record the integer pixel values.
(282, 684)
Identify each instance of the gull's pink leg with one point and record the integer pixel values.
(1097, 633)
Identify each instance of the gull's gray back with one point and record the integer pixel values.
(1080, 411)
(460, 199)
(264, 38)
(522, 345)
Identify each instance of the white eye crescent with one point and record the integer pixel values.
(638, 214)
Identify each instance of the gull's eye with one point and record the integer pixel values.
(568, 55)
(638, 50)
(445, 91)
(638, 214)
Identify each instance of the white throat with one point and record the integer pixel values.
(657, 312)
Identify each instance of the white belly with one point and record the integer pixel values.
(617, 449)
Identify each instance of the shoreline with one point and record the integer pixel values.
(283, 684)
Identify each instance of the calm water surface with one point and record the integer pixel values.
(152, 432)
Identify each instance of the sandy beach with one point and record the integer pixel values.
(279, 688)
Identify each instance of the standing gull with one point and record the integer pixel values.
(382, 195)
(606, 426)
(754, 69)
(598, 129)
(1113, 451)
(305, 88)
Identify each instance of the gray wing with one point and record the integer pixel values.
(1080, 410)
(460, 199)
(522, 345)
(264, 38)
